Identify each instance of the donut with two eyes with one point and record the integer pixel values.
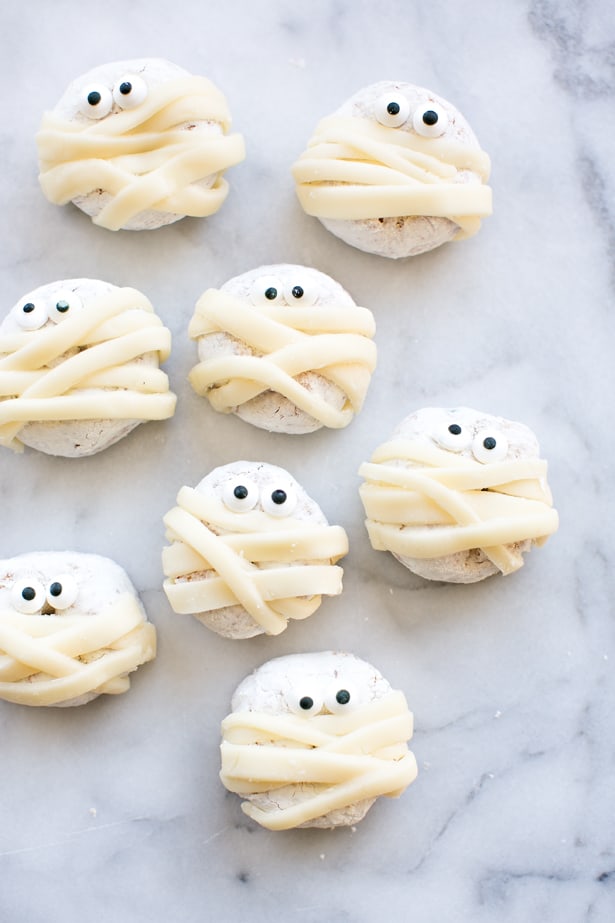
(458, 495)
(314, 739)
(138, 144)
(285, 348)
(250, 550)
(395, 171)
(79, 367)
(71, 628)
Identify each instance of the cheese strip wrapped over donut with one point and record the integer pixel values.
(458, 495)
(138, 144)
(71, 628)
(285, 348)
(249, 551)
(314, 739)
(79, 367)
(395, 171)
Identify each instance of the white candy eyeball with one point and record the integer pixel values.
(392, 109)
(305, 704)
(453, 436)
(341, 698)
(63, 304)
(62, 592)
(430, 121)
(28, 595)
(300, 292)
(489, 448)
(130, 91)
(266, 290)
(279, 501)
(96, 101)
(31, 315)
(240, 495)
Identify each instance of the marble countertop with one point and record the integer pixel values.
(114, 810)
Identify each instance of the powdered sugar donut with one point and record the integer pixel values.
(249, 551)
(138, 144)
(314, 739)
(285, 348)
(79, 367)
(395, 171)
(71, 628)
(458, 495)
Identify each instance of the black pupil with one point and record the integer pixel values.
(306, 702)
(430, 117)
(241, 492)
(125, 88)
(489, 443)
(28, 593)
(271, 293)
(94, 98)
(55, 589)
(279, 496)
(393, 108)
(455, 429)
(62, 307)
(28, 308)
(342, 697)
(297, 292)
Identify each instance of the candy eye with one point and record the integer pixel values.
(28, 595)
(130, 91)
(430, 122)
(62, 304)
(392, 110)
(96, 101)
(266, 290)
(240, 495)
(453, 436)
(306, 705)
(300, 293)
(340, 699)
(280, 501)
(62, 592)
(31, 315)
(487, 448)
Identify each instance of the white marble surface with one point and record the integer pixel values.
(114, 811)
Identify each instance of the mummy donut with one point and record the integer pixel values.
(458, 495)
(137, 145)
(249, 551)
(314, 739)
(79, 368)
(395, 171)
(285, 348)
(71, 628)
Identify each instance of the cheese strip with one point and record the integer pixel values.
(206, 571)
(334, 342)
(343, 759)
(140, 157)
(41, 656)
(86, 367)
(355, 169)
(437, 503)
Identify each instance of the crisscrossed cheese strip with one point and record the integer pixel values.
(438, 503)
(141, 157)
(39, 654)
(347, 758)
(271, 595)
(354, 169)
(101, 380)
(287, 341)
